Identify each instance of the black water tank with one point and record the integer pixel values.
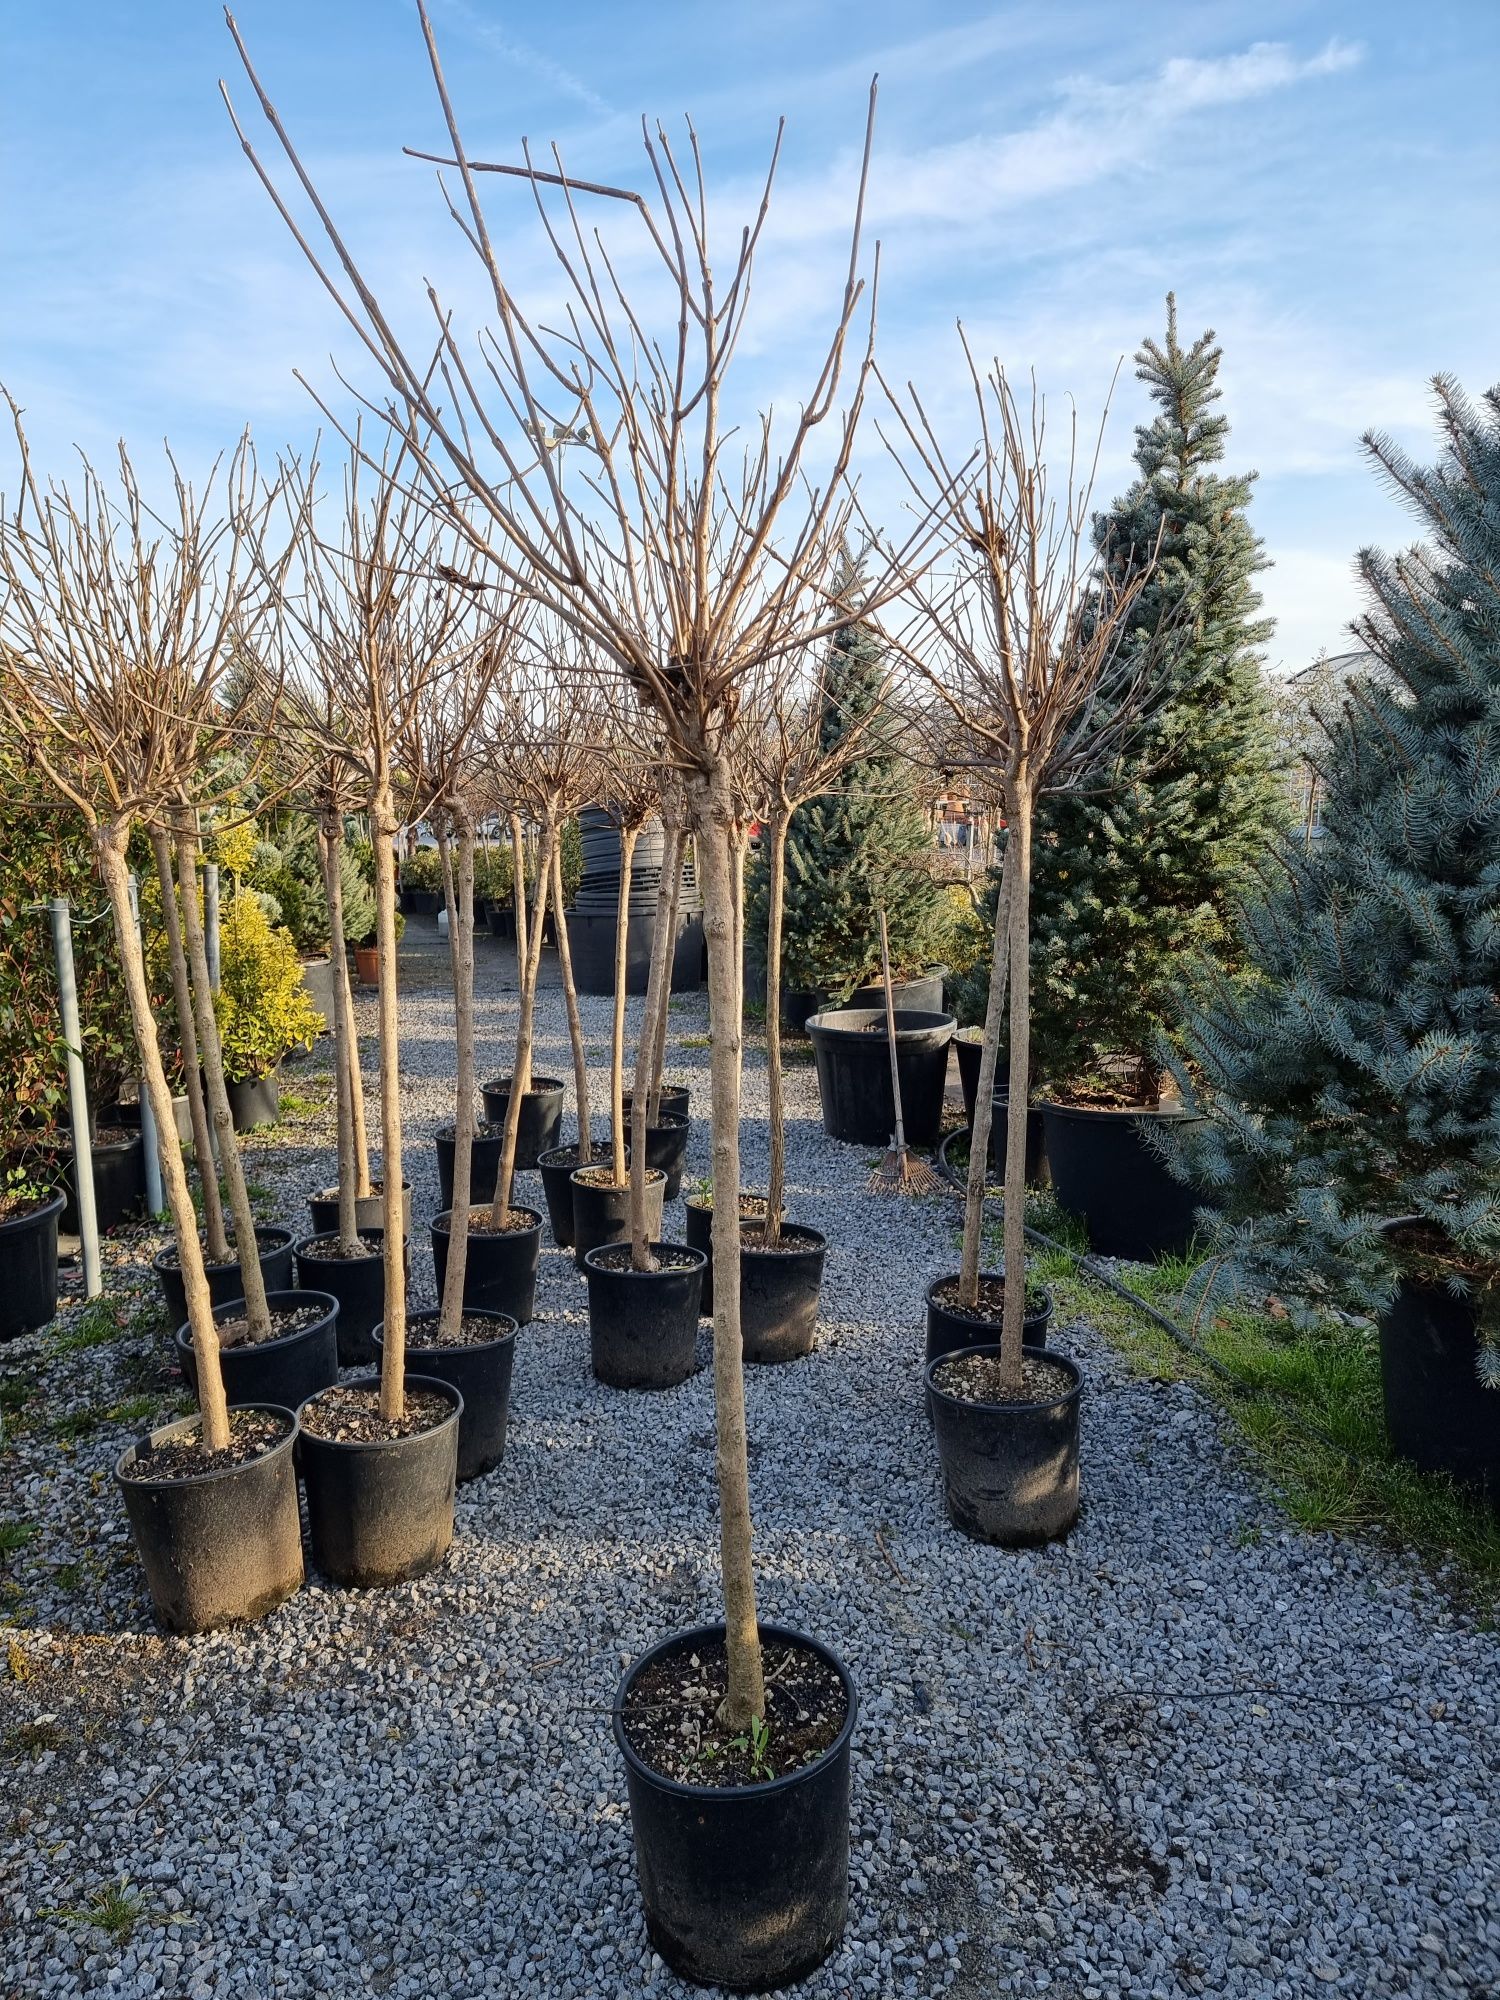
(591, 920)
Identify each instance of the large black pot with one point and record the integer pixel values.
(119, 1183)
(358, 1283)
(948, 1331)
(484, 1162)
(221, 1546)
(284, 1372)
(254, 1100)
(675, 1099)
(1105, 1173)
(500, 1267)
(128, 1113)
(383, 1512)
(480, 1373)
(1010, 1470)
(666, 1148)
(28, 1269)
(421, 902)
(921, 996)
(556, 1169)
(854, 1074)
(1437, 1413)
(369, 1210)
(601, 1215)
(779, 1291)
(745, 1886)
(999, 1150)
(540, 1126)
(643, 1325)
(224, 1280)
(699, 1232)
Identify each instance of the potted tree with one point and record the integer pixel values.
(263, 1009)
(1352, 1075)
(1031, 643)
(117, 688)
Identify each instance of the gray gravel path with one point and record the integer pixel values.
(1192, 1751)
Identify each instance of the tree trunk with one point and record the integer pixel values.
(518, 888)
(776, 897)
(460, 900)
(575, 1020)
(393, 1335)
(984, 1099)
(257, 1313)
(658, 975)
(343, 1030)
(664, 1004)
(214, 1236)
(739, 847)
(109, 844)
(339, 949)
(617, 1037)
(745, 1699)
(1018, 854)
(505, 1178)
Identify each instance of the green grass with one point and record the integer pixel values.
(116, 1909)
(134, 1410)
(696, 1042)
(32, 1739)
(14, 1535)
(101, 1321)
(76, 1425)
(1307, 1402)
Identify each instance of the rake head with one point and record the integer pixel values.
(901, 1173)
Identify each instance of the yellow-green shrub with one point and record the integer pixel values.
(263, 1006)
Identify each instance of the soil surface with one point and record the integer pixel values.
(236, 1332)
(792, 1241)
(328, 1247)
(251, 1433)
(170, 1257)
(515, 1222)
(603, 1177)
(346, 1415)
(13, 1207)
(976, 1378)
(470, 1332)
(671, 1716)
(991, 1308)
(664, 1257)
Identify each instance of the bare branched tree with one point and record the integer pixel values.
(118, 627)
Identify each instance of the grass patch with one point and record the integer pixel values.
(1308, 1404)
(116, 1909)
(696, 1042)
(34, 1739)
(76, 1425)
(14, 1535)
(101, 1321)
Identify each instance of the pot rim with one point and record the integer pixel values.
(545, 1159)
(332, 1193)
(167, 1259)
(946, 1277)
(921, 1020)
(182, 1338)
(511, 1328)
(439, 1223)
(303, 1248)
(19, 1224)
(609, 1271)
(675, 1787)
(168, 1433)
(784, 1249)
(541, 1086)
(652, 1174)
(668, 1121)
(445, 1389)
(1107, 1112)
(1008, 1409)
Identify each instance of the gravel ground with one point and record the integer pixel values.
(1191, 1751)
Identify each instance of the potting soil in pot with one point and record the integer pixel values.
(468, 1333)
(251, 1432)
(236, 1332)
(352, 1416)
(671, 1716)
(663, 1258)
(976, 1378)
(991, 1307)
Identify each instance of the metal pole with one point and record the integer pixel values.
(211, 920)
(78, 1103)
(150, 1138)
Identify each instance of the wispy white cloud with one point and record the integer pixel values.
(534, 62)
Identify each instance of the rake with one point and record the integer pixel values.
(899, 1172)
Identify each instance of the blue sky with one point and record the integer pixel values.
(1318, 182)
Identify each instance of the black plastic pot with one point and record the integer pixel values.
(282, 1372)
(922, 996)
(1037, 1172)
(369, 1210)
(254, 1100)
(219, 1547)
(643, 1325)
(224, 1280)
(601, 1215)
(968, 1047)
(699, 1232)
(540, 1126)
(854, 1074)
(28, 1269)
(128, 1113)
(119, 1183)
(746, 1886)
(675, 1099)
(481, 1374)
(358, 1283)
(556, 1169)
(382, 1513)
(502, 920)
(779, 1291)
(1010, 1470)
(1104, 1172)
(948, 1331)
(500, 1268)
(1437, 1413)
(484, 1167)
(666, 1148)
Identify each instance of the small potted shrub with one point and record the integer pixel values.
(263, 1009)
(422, 883)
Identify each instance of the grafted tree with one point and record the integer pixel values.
(118, 628)
(684, 545)
(1021, 636)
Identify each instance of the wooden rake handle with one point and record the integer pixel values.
(890, 1031)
